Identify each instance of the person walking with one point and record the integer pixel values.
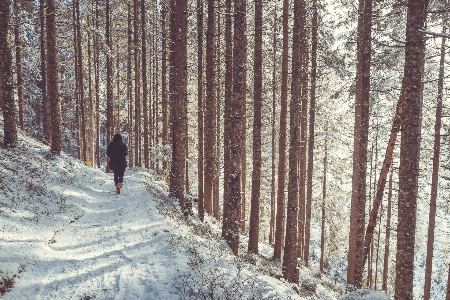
(117, 152)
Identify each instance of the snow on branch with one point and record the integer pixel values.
(434, 33)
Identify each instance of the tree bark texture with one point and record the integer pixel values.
(210, 110)
(289, 266)
(253, 235)
(201, 206)
(145, 98)
(227, 114)
(312, 112)
(178, 97)
(410, 148)
(279, 227)
(357, 216)
(6, 77)
(19, 76)
(109, 83)
(46, 108)
(53, 85)
(137, 87)
(388, 236)
(130, 85)
(236, 119)
(273, 145)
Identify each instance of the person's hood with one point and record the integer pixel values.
(117, 138)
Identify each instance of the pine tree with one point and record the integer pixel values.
(253, 237)
(410, 148)
(361, 129)
(178, 97)
(53, 86)
(289, 267)
(6, 78)
(279, 227)
(210, 110)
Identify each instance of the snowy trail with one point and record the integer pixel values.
(116, 249)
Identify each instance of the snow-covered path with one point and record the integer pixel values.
(116, 248)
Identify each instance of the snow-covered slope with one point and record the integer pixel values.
(65, 234)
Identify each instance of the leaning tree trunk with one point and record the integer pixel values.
(6, 77)
(434, 176)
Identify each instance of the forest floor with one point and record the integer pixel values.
(66, 234)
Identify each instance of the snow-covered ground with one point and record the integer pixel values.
(65, 234)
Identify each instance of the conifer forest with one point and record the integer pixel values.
(317, 127)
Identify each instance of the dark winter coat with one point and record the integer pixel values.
(117, 152)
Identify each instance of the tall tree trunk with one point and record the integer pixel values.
(435, 174)
(210, 109)
(46, 108)
(164, 100)
(97, 86)
(137, 88)
(274, 95)
(216, 181)
(324, 198)
(410, 148)
(178, 95)
(279, 229)
(253, 236)
(145, 86)
(303, 136)
(53, 86)
(233, 179)
(227, 128)
(201, 207)
(79, 71)
(361, 129)
(91, 105)
(312, 112)
(18, 46)
(289, 267)
(388, 235)
(77, 80)
(130, 87)
(109, 84)
(6, 77)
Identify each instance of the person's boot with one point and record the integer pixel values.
(119, 185)
(117, 189)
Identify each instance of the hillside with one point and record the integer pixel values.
(65, 234)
